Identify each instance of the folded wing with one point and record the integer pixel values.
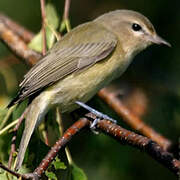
(69, 55)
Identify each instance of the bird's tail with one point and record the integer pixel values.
(36, 111)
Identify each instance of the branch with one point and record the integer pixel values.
(66, 9)
(62, 142)
(10, 171)
(43, 14)
(66, 14)
(117, 132)
(22, 32)
(17, 45)
(134, 121)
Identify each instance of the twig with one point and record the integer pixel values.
(13, 146)
(62, 142)
(66, 9)
(3, 122)
(8, 127)
(18, 175)
(122, 135)
(45, 130)
(18, 29)
(61, 130)
(17, 45)
(135, 122)
(142, 143)
(10, 171)
(8, 61)
(66, 14)
(43, 14)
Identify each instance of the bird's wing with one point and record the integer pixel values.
(67, 56)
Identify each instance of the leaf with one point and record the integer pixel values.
(52, 16)
(77, 173)
(58, 164)
(63, 26)
(3, 176)
(36, 42)
(3, 113)
(50, 175)
(52, 23)
(19, 110)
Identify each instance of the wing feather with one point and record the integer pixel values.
(67, 57)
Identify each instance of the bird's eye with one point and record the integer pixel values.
(136, 27)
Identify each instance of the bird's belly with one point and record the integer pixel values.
(79, 86)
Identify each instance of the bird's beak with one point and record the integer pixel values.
(158, 40)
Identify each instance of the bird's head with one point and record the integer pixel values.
(135, 31)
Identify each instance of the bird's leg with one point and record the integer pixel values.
(97, 113)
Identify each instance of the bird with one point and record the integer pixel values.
(82, 62)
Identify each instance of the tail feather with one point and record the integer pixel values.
(13, 102)
(35, 114)
(16, 100)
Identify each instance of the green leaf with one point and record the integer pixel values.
(19, 110)
(3, 113)
(52, 23)
(63, 26)
(52, 16)
(36, 42)
(3, 176)
(77, 173)
(50, 175)
(58, 164)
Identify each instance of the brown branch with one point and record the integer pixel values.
(18, 175)
(117, 132)
(43, 14)
(9, 61)
(62, 142)
(135, 122)
(142, 143)
(16, 28)
(10, 171)
(17, 45)
(66, 9)
(122, 135)
(66, 15)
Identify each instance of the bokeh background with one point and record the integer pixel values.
(155, 72)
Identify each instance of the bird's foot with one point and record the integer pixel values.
(97, 113)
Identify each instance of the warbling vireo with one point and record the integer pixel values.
(81, 63)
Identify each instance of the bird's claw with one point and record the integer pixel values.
(97, 113)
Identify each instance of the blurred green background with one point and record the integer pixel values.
(155, 71)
